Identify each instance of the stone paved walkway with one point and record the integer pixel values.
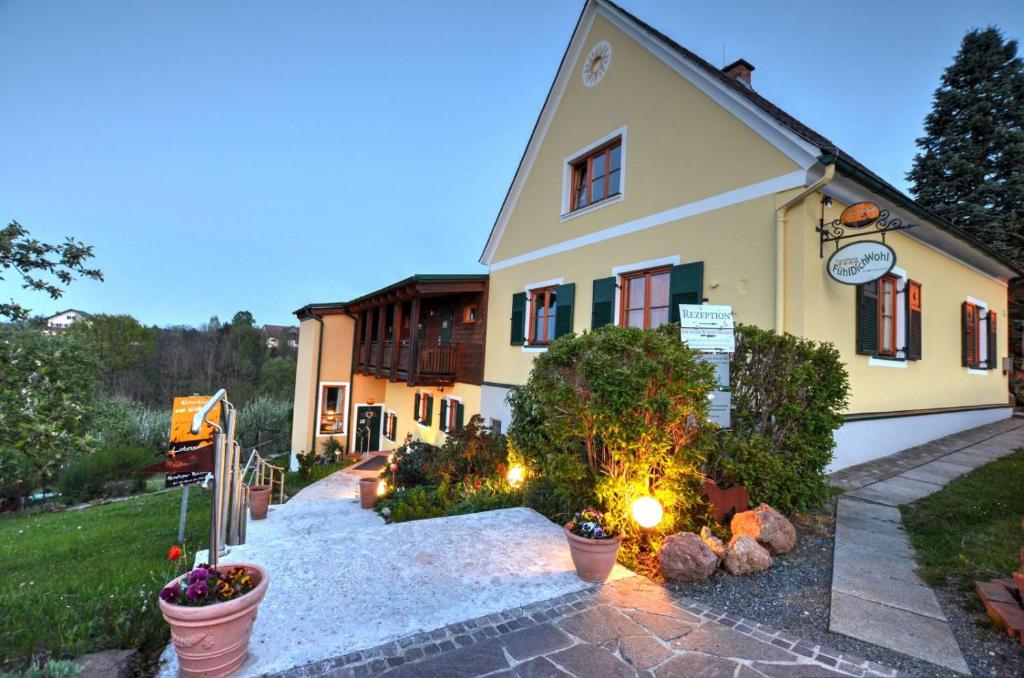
(631, 627)
(876, 593)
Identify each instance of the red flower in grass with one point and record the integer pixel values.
(174, 553)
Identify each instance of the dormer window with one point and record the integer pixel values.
(597, 176)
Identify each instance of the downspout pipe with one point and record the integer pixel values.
(316, 384)
(780, 243)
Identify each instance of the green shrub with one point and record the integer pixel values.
(329, 451)
(307, 461)
(107, 472)
(471, 495)
(788, 395)
(52, 668)
(618, 413)
(415, 464)
(264, 419)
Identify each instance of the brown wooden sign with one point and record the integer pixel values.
(189, 455)
(860, 215)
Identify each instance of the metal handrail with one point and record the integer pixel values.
(200, 416)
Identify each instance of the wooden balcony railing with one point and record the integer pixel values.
(434, 363)
(437, 361)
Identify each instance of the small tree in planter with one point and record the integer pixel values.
(619, 412)
(211, 614)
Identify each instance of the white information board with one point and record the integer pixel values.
(707, 328)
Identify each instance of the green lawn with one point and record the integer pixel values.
(82, 581)
(972, 528)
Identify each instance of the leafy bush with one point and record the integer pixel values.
(307, 461)
(414, 465)
(329, 451)
(47, 391)
(107, 472)
(788, 395)
(619, 413)
(122, 422)
(472, 495)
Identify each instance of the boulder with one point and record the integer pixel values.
(713, 542)
(685, 557)
(745, 556)
(766, 525)
(107, 664)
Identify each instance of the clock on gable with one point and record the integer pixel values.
(597, 62)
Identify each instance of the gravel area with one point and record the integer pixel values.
(796, 592)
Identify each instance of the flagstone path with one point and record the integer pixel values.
(630, 627)
(876, 593)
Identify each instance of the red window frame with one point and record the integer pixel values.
(421, 416)
(543, 293)
(892, 283)
(645, 277)
(583, 169)
(452, 412)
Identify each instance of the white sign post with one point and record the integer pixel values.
(709, 329)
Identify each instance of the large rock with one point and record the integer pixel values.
(685, 557)
(713, 542)
(107, 664)
(745, 556)
(766, 525)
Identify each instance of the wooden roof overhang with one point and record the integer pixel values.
(418, 288)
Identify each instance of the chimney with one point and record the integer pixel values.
(740, 71)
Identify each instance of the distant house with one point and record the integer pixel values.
(61, 321)
(281, 335)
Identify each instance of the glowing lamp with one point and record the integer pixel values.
(647, 512)
(515, 475)
(382, 488)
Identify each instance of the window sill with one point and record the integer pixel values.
(978, 371)
(592, 207)
(535, 348)
(899, 363)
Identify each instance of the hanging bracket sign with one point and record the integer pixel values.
(860, 262)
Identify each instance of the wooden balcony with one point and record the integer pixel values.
(434, 366)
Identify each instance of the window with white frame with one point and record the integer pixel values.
(390, 425)
(978, 332)
(332, 408)
(594, 175)
(450, 418)
(889, 314)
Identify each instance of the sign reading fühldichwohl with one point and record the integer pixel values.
(707, 328)
(861, 262)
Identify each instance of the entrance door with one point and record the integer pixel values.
(368, 427)
(445, 335)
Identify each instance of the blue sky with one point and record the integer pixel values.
(261, 155)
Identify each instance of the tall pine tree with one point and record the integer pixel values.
(970, 168)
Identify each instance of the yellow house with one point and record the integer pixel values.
(653, 178)
(405, 361)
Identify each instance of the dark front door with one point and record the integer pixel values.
(445, 333)
(368, 427)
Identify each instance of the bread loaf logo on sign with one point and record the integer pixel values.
(860, 215)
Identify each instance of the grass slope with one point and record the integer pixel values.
(82, 581)
(971, 529)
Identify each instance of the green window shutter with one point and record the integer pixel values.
(604, 303)
(914, 319)
(867, 318)
(442, 415)
(566, 295)
(518, 318)
(992, 343)
(430, 410)
(686, 286)
(460, 415)
(416, 407)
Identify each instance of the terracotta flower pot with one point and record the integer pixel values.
(259, 501)
(213, 640)
(368, 492)
(593, 558)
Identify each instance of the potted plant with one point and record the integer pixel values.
(211, 613)
(259, 501)
(592, 546)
